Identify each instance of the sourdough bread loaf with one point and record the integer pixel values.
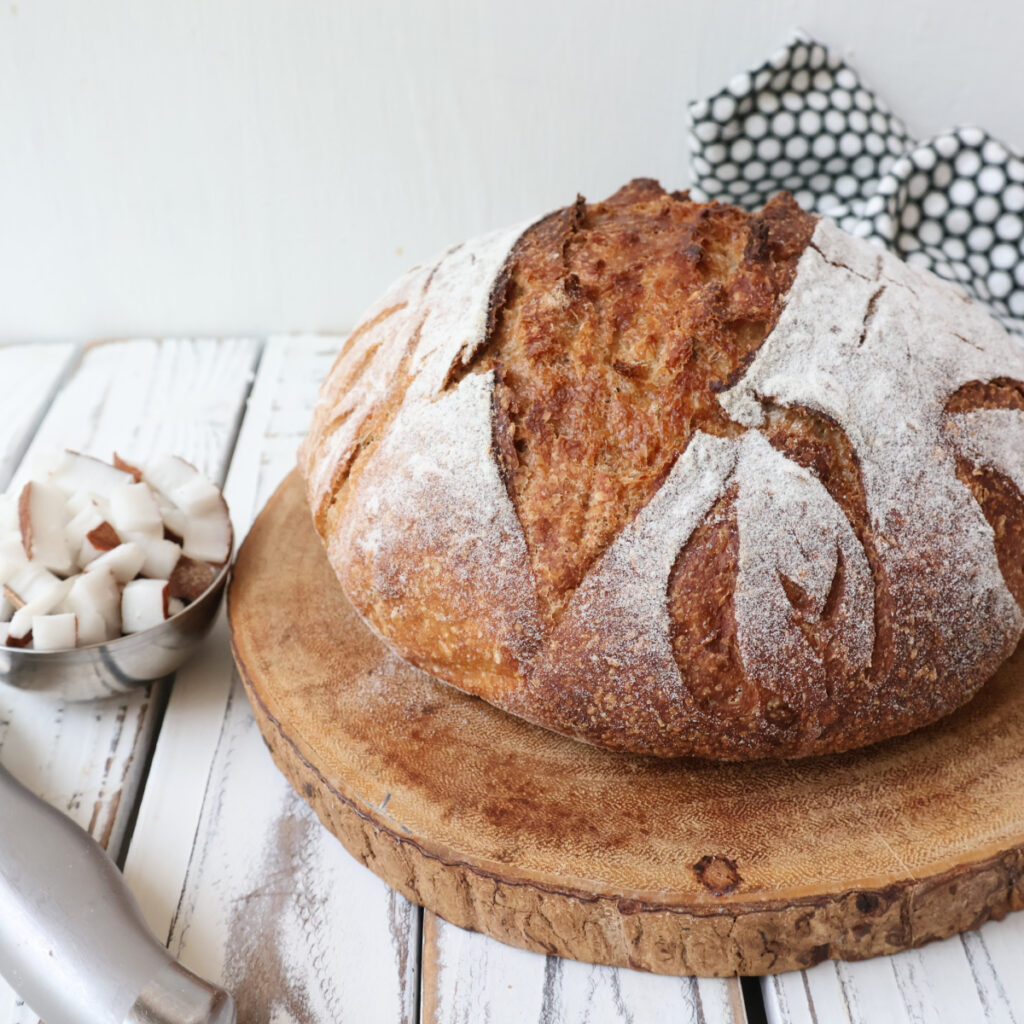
(677, 479)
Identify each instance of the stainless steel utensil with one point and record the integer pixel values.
(72, 940)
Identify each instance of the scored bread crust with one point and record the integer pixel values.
(680, 480)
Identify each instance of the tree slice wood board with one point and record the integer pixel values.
(675, 867)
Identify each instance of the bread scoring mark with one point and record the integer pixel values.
(869, 315)
(817, 442)
(434, 488)
(701, 589)
(367, 326)
(790, 528)
(638, 307)
(365, 373)
(611, 649)
(445, 307)
(989, 441)
(771, 601)
(887, 390)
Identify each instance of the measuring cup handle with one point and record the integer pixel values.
(72, 940)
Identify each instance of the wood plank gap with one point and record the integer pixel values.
(753, 1001)
(198, 836)
(420, 914)
(243, 407)
(160, 694)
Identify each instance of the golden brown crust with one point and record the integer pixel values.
(606, 339)
(623, 320)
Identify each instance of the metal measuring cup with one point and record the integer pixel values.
(73, 943)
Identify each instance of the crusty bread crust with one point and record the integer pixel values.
(614, 474)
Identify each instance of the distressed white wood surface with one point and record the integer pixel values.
(971, 977)
(468, 977)
(28, 377)
(230, 866)
(141, 398)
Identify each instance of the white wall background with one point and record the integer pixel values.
(219, 166)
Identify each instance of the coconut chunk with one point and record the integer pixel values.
(92, 628)
(36, 586)
(174, 519)
(124, 561)
(6, 609)
(207, 537)
(144, 603)
(83, 499)
(167, 473)
(12, 557)
(21, 621)
(77, 472)
(98, 540)
(43, 516)
(13, 640)
(190, 578)
(161, 557)
(54, 632)
(83, 522)
(174, 606)
(125, 466)
(96, 591)
(134, 510)
(197, 496)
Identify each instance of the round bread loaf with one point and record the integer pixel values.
(677, 479)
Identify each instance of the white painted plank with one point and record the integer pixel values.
(468, 977)
(141, 398)
(227, 861)
(829, 992)
(974, 977)
(28, 377)
(994, 953)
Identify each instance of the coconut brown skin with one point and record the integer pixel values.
(613, 328)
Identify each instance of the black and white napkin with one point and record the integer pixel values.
(803, 121)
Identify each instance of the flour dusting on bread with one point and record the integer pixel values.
(880, 349)
(410, 461)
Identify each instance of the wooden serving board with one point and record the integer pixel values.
(676, 867)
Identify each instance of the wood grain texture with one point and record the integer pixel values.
(676, 867)
(141, 398)
(231, 868)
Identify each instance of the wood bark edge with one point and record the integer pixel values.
(748, 938)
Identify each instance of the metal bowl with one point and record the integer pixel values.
(116, 666)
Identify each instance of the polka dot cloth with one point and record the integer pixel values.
(803, 122)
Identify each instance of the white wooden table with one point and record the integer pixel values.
(231, 868)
